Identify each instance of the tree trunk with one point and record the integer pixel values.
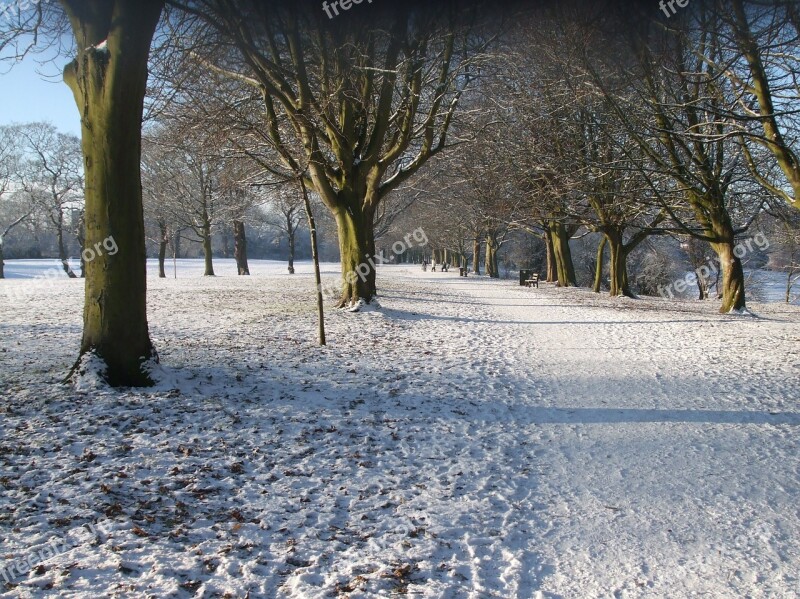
(226, 242)
(598, 273)
(290, 229)
(109, 84)
(62, 251)
(162, 249)
(702, 287)
(3, 264)
(476, 256)
(312, 228)
(712, 213)
(491, 257)
(618, 264)
(552, 271)
(81, 235)
(358, 272)
(562, 255)
(732, 291)
(240, 248)
(207, 249)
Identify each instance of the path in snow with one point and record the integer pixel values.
(665, 441)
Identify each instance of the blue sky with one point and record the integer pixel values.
(28, 96)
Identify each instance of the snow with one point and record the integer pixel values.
(471, 438)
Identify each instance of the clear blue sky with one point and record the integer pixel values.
(25, 96)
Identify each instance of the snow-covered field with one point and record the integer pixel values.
(472, 439)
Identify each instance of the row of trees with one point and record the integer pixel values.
(603, 117)
(630, 126)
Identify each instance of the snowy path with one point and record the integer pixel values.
(666, 444)
(470, 440)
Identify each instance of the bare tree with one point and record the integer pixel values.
(766, 35)
(368, 102)
(13, 213)
(51, 174)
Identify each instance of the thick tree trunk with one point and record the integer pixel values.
(618, 264)
(358, 272)
(162, 249)
(598, 273)
(563, 255)
(491, 258)
(3, 264)
(108, 79)
(712, 213)
(240, 248)
(552, 271)
(81, 235)
(476, 256)
(732, 286)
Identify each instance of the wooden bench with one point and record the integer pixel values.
(532, 281)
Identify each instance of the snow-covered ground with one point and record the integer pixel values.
(472, 439)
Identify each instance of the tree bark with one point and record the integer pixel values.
(162, 249)
(598, 273)
(208, 254)
(358, 274)
(62, 251)
(713, 215)
(290, 230)
(618, 264)
(312, 228)
(81, 236)
(240, 248)
(491, 257)
(3, 264)
(552, 271)
(732, 291)
(109, 84)
(563, 255)
(476, 256)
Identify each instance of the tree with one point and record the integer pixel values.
(670, 105)
(199, 184)
(108, 78)
(769, 78)
(52, 176)
(368, 102)
(9, 161)
(289, 214)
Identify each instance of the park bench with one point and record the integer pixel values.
(532, 281)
